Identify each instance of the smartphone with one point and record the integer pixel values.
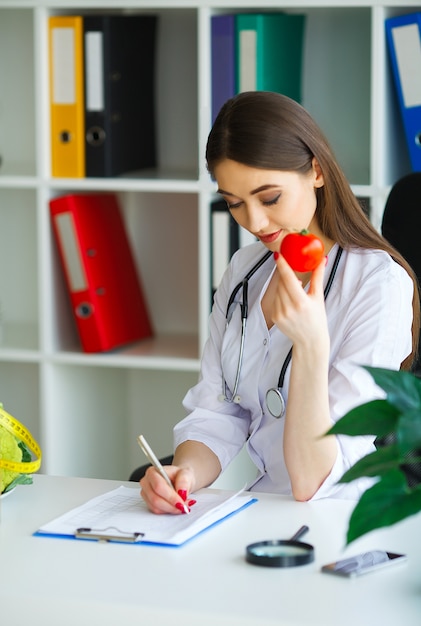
(363, 563)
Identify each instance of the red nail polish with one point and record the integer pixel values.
(326, 260)
(180, 507)
(276, 255)
(191, 502)
(182, 493)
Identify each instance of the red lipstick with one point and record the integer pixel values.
(270, 237)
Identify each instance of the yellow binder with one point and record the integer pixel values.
(67, 96)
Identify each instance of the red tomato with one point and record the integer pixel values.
(303, 251)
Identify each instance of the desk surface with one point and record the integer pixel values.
(53, 581)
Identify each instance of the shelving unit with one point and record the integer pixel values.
(86, 410)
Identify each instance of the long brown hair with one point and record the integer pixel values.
(270, 131)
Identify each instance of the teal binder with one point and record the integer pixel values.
(269, 53)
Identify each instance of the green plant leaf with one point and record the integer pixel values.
(376, 463)
(377, 417)
(408, 431)
(21, 479)
(389, 501)
(26, 455)
(396, 422)
(403, 389)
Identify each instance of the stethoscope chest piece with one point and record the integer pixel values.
(275, 402)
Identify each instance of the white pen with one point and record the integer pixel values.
(157, 465)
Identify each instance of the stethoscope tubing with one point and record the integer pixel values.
(245, 280)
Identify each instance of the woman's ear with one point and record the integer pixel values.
(317, 174)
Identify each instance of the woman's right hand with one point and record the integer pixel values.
(159, 496)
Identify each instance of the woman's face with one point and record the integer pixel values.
(270, 203)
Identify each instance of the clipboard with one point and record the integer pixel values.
(121, 516)
(107, 534)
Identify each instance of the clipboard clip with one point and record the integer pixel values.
(104, 534)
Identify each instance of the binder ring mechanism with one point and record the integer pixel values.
(95, 136)
(104, 534)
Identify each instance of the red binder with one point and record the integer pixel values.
(105, 289)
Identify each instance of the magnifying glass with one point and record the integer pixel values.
(281, 552)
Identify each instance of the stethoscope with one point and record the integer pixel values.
(275, 401)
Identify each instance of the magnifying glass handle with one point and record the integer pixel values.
(300, 532)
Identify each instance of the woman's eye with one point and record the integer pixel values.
(271, 201)
(233, 205)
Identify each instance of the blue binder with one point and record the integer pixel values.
(223, 60)
(404, 44)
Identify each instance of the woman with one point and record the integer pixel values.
(277, 173)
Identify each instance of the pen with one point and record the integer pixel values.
(157, 465)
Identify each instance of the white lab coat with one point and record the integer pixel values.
(369, 314)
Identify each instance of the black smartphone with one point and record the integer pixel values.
(363, 563)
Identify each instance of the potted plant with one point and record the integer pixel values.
(396, 463)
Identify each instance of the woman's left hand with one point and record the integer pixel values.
(299, 314)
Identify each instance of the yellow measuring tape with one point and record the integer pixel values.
(16, 428)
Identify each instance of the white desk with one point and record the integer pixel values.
(54, 582)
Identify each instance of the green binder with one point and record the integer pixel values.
(269, 53)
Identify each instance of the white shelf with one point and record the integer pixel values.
(176, 352)
(87, 409)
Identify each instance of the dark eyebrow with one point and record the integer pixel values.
(252, 193)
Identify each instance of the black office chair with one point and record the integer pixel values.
(401, 226)
(139, 472)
